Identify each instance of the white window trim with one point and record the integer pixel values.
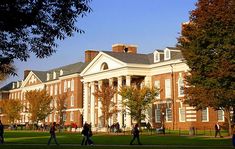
(166, 95)
(157, 85)
(72, 85)
(179, 86)
(165, 51)
(166, 115)
(180, 114)
(71, 116)
(207, 116)
(72, 100)
(156, 56)
(222, 115)
(156, 120)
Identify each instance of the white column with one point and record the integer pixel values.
(111, 85)
(148, 81)
(85, 101)
(99, 107)
(92, 110)
(119, 102)
(128, 117)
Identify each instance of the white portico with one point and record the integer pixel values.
(114, 69)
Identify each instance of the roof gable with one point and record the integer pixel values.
(32, 79)
(101, 60)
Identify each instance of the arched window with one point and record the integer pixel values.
(104, 66)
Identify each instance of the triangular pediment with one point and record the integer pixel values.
(31, 79)
(102, 62)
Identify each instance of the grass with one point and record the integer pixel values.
(27, 139)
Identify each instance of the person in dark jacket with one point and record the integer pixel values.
(53, 135)
(87, 133)
(1, 132)
(135, 133)
(217, 130)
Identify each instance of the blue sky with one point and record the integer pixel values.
(150, 24)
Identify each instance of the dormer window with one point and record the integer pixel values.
(54, 75)
(48, 76)
(61, 72)
(167, 54)
(156, 56)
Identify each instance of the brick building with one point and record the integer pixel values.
(164, 69)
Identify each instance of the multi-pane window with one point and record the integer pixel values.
(168, 112)
(69, 84)
(182, 112)
(72, 100)
(51, 90)
(205, 115)
(167, 88)
(180, 87)
(156, 56)
(72, 85)
(56, 89)
(220, 115)
(157, 85)
(158, 113)
(71, 116)
(167, 55)
(65, 86)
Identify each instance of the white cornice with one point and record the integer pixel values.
(28, 77)
(69, 76)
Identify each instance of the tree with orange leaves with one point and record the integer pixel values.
(39, 104)
(208, 46)
(137, 100)
(12, 109)
(108, 107)
(61, 107)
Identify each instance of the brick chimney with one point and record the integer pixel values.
(26, 72)
(90, 55)
(124, 48)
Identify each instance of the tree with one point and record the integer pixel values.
(61, 107)
(108, 107)
(12, 108)
(137, 100)
(208, 45)
(39, 105)
(34, 26)
(6, 68)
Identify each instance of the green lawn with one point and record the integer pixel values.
(38, 140)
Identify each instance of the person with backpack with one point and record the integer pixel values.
(53, 135)
(135, 133)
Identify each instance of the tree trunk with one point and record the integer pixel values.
(227, 112)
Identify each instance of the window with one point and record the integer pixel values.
(205, 115)
(180, 86)
(158, 113)
(157, 85)
(167, 54)
(167, 88)
(55, 103)
(65, 86)
(182, 113)
(61, 72)
(48, 76)
(104, 66)
(156, 56)
(72, 85)
(220, 115)
(50, 118)
(55, 117)
(69, 84)
(168, 113)
(72, 100)
(56, 89)
(71, 116)
(54, 75)
(64, 116)
(51, 90)
(60, 88)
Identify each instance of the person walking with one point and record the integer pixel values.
(1, 133)
(135, 133)
(217, 130)
(87, 133)
(53, 135)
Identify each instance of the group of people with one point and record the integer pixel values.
(87, 134)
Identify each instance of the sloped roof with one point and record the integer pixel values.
(130, 57)
(7, 87)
